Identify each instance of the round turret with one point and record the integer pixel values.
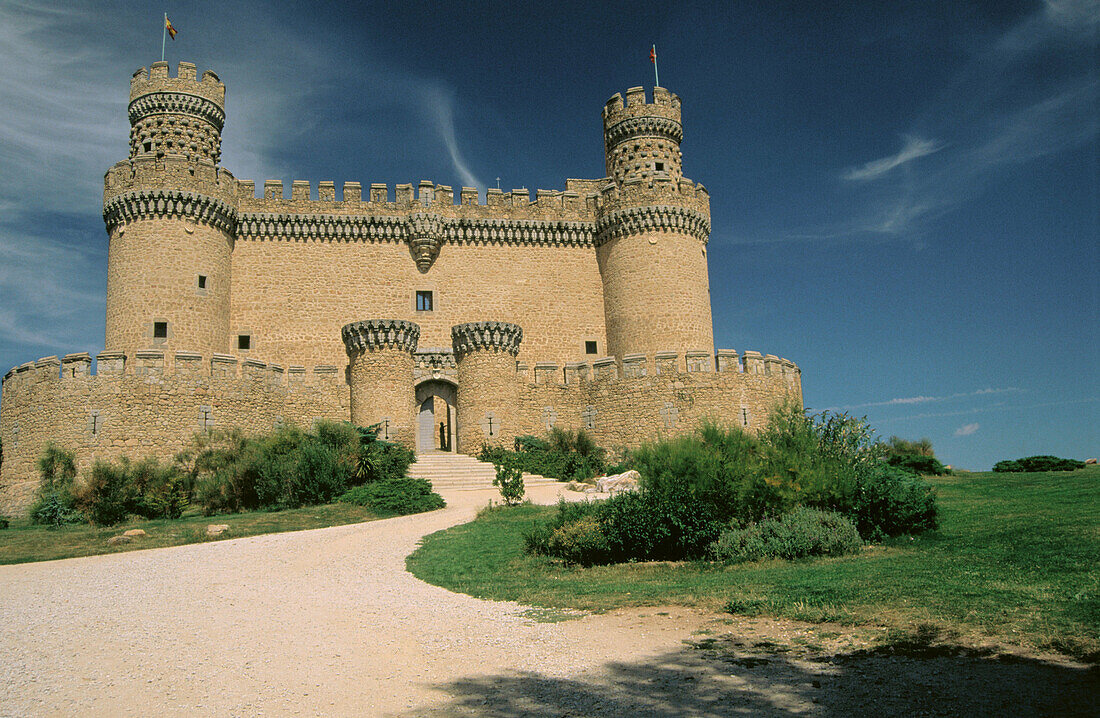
(380, 359)
(176, 115)
(171, 216)
(652, 228)
(643, 140)
(488, 390)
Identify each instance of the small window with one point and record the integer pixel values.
(160, 330)
(244, 341)
(423, 301)
(590, 347)
(148, 146)
(659, 166)
(202, 281)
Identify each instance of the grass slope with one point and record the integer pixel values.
(24, 542)
(1015, 559)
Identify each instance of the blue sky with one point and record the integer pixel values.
(905, 196)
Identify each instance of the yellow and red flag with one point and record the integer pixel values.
(652, 54)
(168, 26)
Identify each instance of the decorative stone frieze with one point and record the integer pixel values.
(176, 103)
(491, 336)
(165, 203)
(374, 334)
(644, 127)
(435, 363)
(662, 218)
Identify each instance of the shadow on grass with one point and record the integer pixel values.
(709, 679)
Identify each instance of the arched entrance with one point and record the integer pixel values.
(435, 416)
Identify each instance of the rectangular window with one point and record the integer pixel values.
(160, 330)
(202, 281)
(590, 347)
(659, 166)
(244, 341)
(423, 301)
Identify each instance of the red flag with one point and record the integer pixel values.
(653, 55)
(168, 26)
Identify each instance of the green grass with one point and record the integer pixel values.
(24, 542)
(1015, 560)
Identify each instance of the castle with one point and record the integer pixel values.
(449, 324)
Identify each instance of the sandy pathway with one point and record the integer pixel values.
(327, 622)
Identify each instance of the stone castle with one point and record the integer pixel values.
(450, 324)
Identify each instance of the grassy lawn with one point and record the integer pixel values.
(1015, 559)
(24, 542)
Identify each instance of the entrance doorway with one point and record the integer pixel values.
(435, 402)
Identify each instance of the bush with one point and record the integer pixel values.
(892, 501)
(3, 523)
(897, 446)
(1039, 463)
(54, 503)
(579, 542)
(107, 495)
(159, 491)
(398, 497)
(917, 463)
(802, 532)
(509, 480)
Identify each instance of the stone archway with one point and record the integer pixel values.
(436, 416)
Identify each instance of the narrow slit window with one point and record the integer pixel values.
(244, 341)
(202, 281)
(423, 301)
(590, 347)
(160, 330)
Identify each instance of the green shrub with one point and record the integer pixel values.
(107, 495)
(1039, 463)
(897, 446)
(3, 523)
(384, 461)
(802, 532)
(579, 542)
(531, 443)
(55, 504)
(891, 502)
(917, 463)
(509, 480)
(397, 497)
(536, 539)
(159, 491)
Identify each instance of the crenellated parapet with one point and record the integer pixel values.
(642, 140)
(486, 336)
(375, 334)
(171, 187)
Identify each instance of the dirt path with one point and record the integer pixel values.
(327, 622)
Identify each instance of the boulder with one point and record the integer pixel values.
(116, 540)
(626, 481)
(216, 529)
(578, 486)
(135, 533)
(1090, 461)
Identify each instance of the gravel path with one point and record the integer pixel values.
(327, 622)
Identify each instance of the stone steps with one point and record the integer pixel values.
(459, 472)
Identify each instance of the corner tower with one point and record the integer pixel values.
(170, 213)
(652, 228)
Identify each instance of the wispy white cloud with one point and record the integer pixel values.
(441, 105)
(914, 148)
(903, 401)
(967, 429)
(1079, 15)
(996, 407)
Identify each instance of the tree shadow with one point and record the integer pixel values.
(712, 678)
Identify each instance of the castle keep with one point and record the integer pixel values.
(451, 324)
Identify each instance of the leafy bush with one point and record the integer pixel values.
(917, 463)
(536, 539)
(891, 502)
(802, 532)
(159, 491)
(398, 497)
(54, 503)
(107, 495)
(579, 542)
(897, 446)
(1039, 463)
(565, 454)
(3, 523)
(509, 480)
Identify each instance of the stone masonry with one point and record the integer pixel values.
(451, 318)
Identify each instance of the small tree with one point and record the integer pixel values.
(55, 504)
(509, 480)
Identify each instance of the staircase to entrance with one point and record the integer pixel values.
(459, 472)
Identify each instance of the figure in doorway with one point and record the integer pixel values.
(443, 445)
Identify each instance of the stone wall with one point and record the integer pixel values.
(148, 404)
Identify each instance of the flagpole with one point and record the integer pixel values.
(163, 36)
(656, 78)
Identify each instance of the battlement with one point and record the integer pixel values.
(640, 366)
(157, 79)
(665, 105)
(157, 366)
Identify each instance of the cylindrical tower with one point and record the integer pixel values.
(380, 356)
(488, 388)
(170, 213)
(652, 227)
